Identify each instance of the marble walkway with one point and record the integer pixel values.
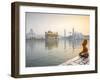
(76, 61)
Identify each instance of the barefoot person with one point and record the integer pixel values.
(84, 52)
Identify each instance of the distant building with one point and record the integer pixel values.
(51, 35)
(30, 35)
(86, 37)
(64, 32)
(75, 35)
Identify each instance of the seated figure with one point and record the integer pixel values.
(84, 52)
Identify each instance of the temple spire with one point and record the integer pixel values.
(64, 32)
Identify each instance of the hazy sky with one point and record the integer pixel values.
(42, 22)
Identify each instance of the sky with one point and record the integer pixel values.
(43, 22)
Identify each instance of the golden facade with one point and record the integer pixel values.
(51, 35)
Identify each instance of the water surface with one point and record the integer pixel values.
(51, 52)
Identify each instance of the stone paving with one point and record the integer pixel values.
(76, 61)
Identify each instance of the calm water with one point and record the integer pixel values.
(50, 52)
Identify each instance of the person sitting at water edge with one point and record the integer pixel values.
(84, 52)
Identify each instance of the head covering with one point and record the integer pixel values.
(84, 42)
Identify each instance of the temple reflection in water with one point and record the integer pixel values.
(51, 40)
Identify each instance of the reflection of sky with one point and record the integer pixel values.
(42, 22)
